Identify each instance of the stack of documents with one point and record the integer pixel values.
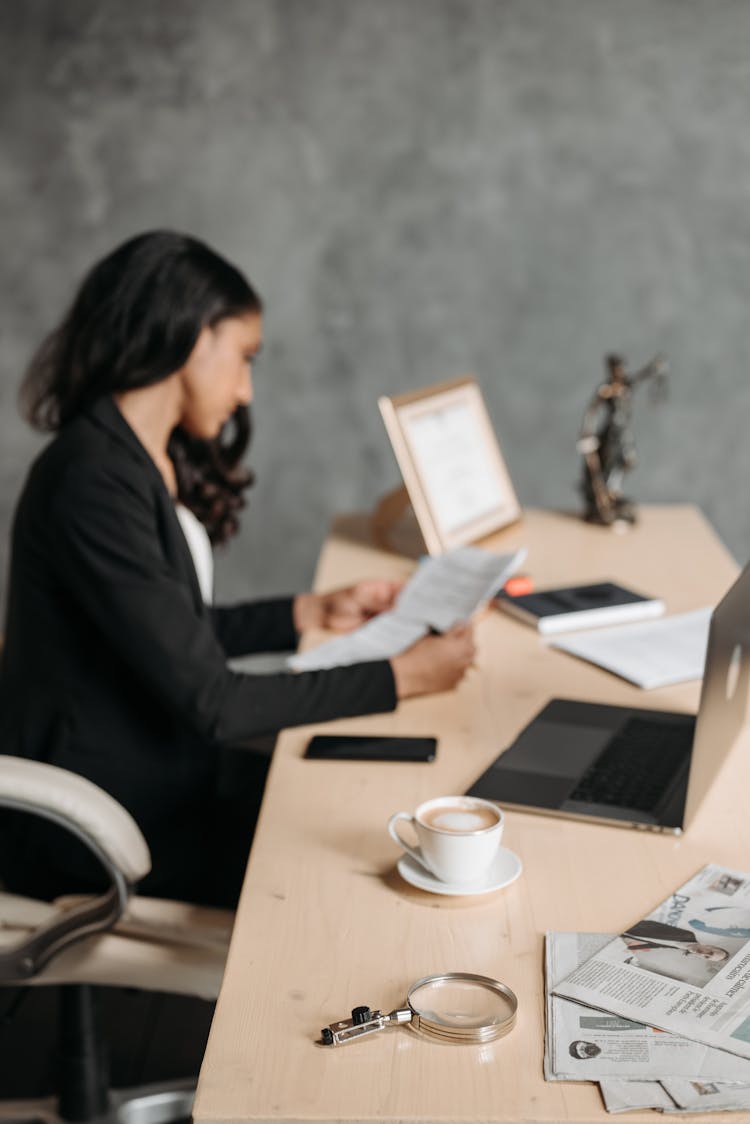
(442, 592)
(686, 970)
(650, 654)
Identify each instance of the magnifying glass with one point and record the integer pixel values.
(457, 1007)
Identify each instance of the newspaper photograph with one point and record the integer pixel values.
(684, 968)
(585, 1044)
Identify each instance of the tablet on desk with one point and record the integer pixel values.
(351, 747)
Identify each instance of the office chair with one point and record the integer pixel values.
(114, 939)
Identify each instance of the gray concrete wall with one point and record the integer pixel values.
(419, 188)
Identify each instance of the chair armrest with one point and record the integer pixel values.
(103, 825)
(170, 922)
(88, 810)
(24, 957)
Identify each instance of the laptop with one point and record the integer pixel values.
(629, 766)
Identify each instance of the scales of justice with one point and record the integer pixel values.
(606, 439)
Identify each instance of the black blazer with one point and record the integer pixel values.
(113, 666)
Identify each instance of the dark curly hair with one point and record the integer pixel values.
(133, 322)
(210, 476)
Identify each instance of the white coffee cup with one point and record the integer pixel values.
(458, 836)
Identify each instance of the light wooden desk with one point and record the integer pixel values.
(326, 924)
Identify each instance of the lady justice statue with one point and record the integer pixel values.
(606, 439)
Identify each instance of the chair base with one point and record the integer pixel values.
(165, 1103)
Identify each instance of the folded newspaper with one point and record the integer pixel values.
(442, 591)
(585, 1044)
(635, 1065)
(684, 968)
(675, 1096)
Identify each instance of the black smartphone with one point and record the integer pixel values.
(351, 747)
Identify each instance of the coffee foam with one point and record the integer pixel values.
(460, 819)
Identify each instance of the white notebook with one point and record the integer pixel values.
(571, 608)
(650, 654)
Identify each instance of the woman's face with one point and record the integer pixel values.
(217, 377)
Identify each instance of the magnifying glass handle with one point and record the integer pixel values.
(363, 1021)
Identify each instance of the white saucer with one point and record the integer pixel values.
(505, 869)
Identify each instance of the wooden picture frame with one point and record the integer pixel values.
(451, 464)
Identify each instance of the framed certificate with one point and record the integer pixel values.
(450, 462)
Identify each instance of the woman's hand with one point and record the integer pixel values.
(345, 609)
(436, 663)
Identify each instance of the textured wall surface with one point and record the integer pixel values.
(418, 188)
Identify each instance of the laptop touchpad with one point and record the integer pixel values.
(557, 749)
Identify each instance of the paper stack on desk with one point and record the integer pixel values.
(443, 590)
(635, 1065)
(684, 968)
(650, 654)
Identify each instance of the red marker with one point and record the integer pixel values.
(518, 585)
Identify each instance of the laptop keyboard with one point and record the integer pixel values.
(636, 767)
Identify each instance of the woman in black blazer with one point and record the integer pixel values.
(113, 665)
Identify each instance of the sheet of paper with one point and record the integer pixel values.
(649, 654)
(450, 587)
(443, 591)
(380, 638)
(709, 1096)
(625, 1096)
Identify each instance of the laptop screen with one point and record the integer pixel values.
(724, 695)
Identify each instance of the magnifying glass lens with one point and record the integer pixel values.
(462, 1007)
(459, 1003)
